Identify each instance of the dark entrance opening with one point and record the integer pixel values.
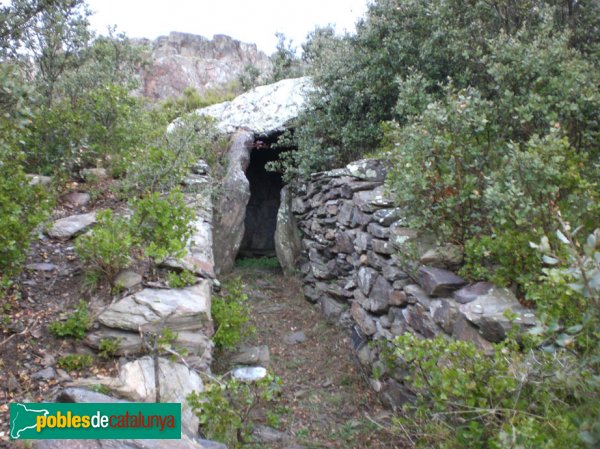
(265, 188)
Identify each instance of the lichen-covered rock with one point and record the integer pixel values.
(262, 110)
(151, 309)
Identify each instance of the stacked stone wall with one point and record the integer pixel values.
(368, 271)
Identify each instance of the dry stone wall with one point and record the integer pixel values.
(368, 271)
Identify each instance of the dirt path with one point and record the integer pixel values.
(326, 402)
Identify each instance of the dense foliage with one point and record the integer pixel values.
(487, 114)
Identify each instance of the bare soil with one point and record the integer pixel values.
(326, 401)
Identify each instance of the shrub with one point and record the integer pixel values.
(108, 347)
(164, 162)
(105, 250)
(162, 225)
(182, 279)
(230, 314)
(75, 362)
(75, 326)
(526, 400)
(224, 407)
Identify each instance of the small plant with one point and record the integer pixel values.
(180, 280)
(106, 249)
(108, 347)
(224, 407)
(258, 262)
(75, 326)
(75, 362)
(230, 314)
(161, 225)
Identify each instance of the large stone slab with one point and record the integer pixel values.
(136, 382)
(491, 313)
(439, 282)
(69, 227)
(262, 110)
(152, 309)
(288, 242)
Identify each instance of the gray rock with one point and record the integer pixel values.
(378, 231)
(90, 174)
(379, 298)
(265, 434)
(311, 294)
(81, 395)
(362, 242)
(488, 312)
(365, 279)
(418, 319)
(463, 330)
(471, 292)
(368, 170)
(416, 294)
(331, 308)
(68, 227)
(39, 180)
(392, 273)
(445, 315)
(252, 355)
(365, 322)
(128, 279)
(439, 282)
(151, 309)
(398, 298)
(386, 217)
(44, 374)
(262, 110)
(344, 242)
(295, 338)
(77, 198)
(184, 443)
(382, 246)
(47, 267)
(230, 207)
(249, 373)
(288, 243)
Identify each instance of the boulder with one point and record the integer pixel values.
(128, 279)
(439, 282)
(262, 110)
(489, 313)
(77, 198)
(288, 242)
(151, 309)
(230, 206)
(252, 355)
(69, 227)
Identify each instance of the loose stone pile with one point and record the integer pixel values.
(367, 270)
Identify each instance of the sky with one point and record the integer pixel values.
(251, 21)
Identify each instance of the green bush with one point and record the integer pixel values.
(108, 347)
(467, 399)
(224, 406)
(230, 314)
(163, 163)
(75, 362)
(162, 225)
(75, 326)
(105, 250)
(182, 279)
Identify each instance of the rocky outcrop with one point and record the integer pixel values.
(367, 270)
(233, 197)
(182, 60)
(262, 110)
